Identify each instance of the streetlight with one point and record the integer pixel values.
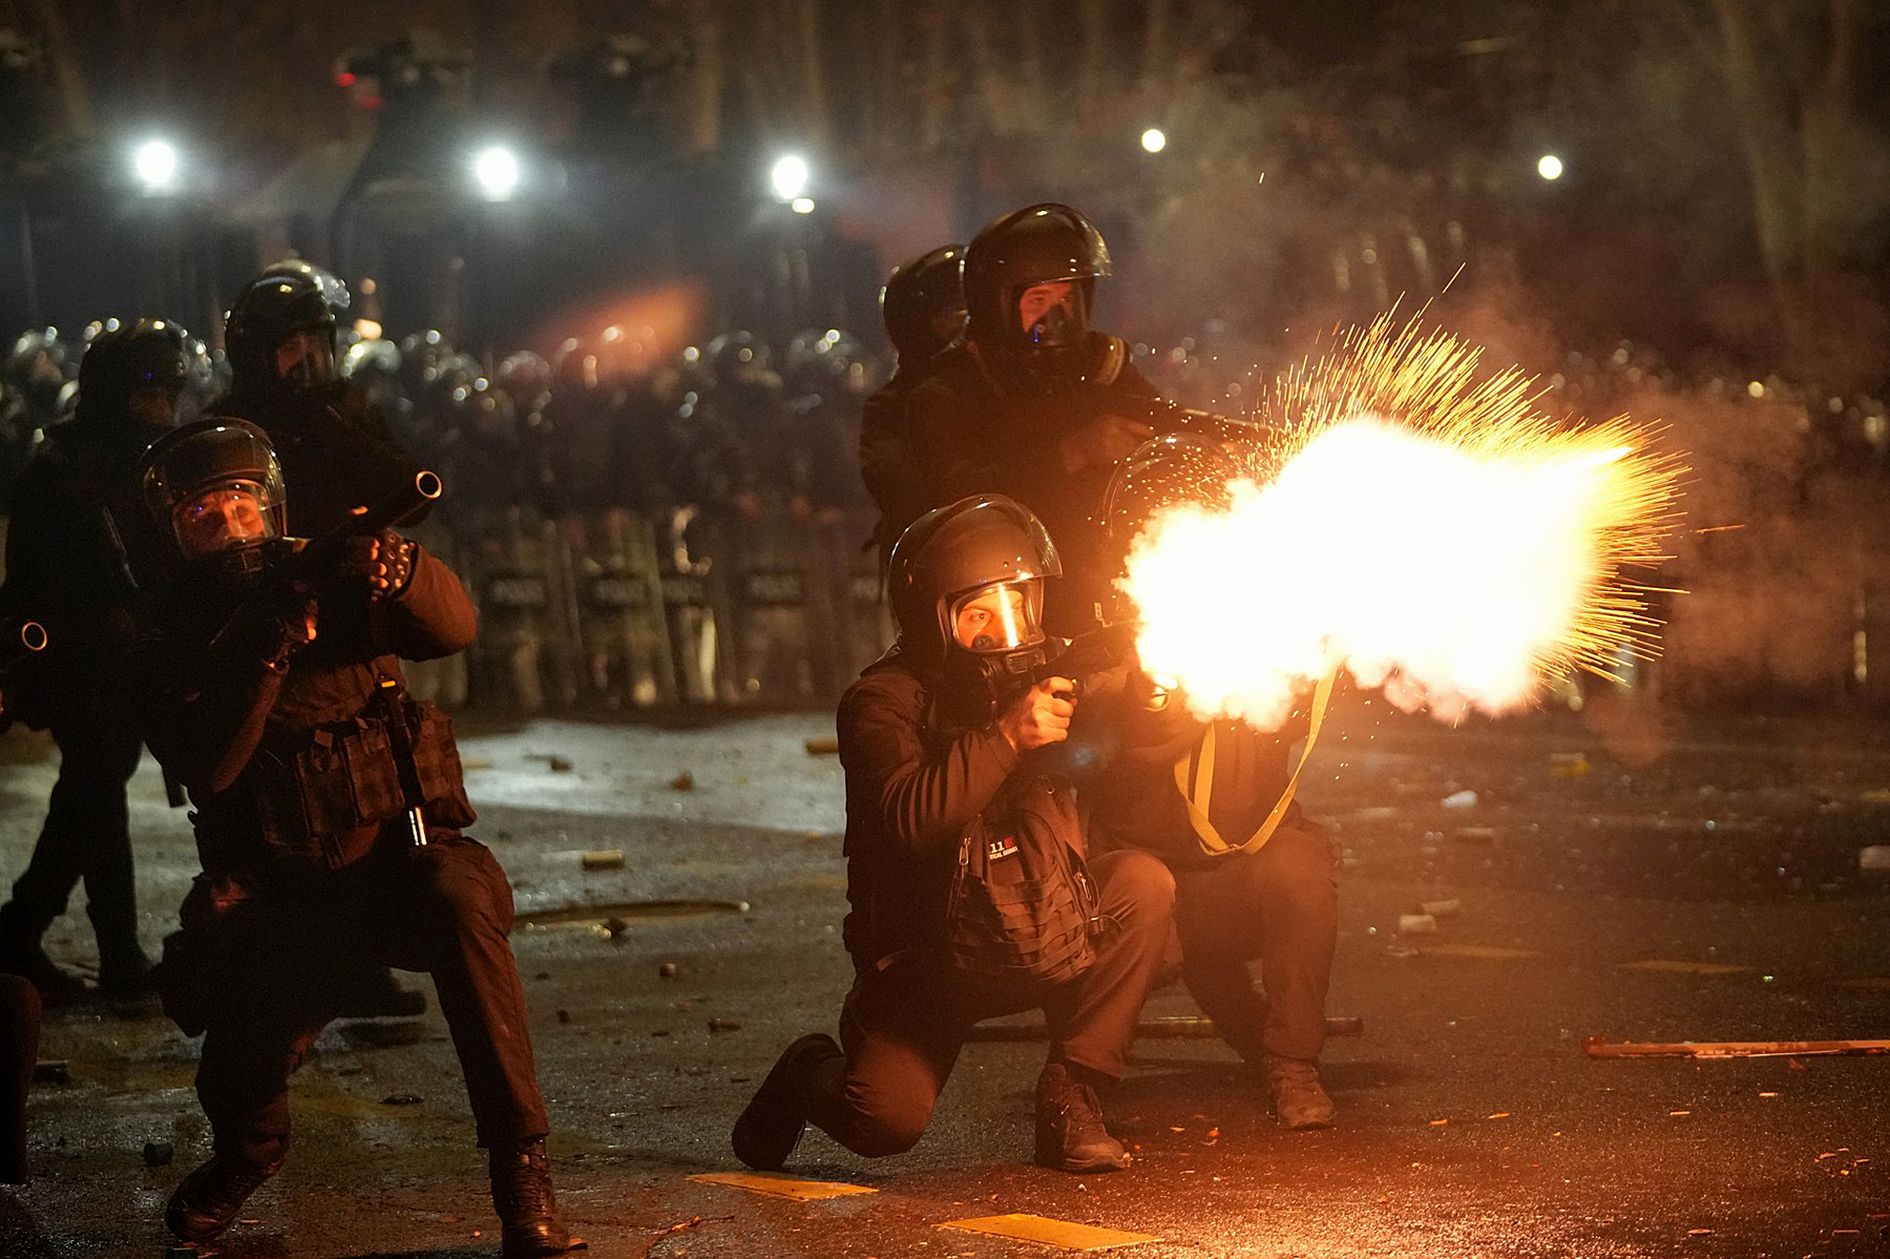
(789, 177)
(155, 163)
(1549, 166)
(802, 205)
(1154, 140)
(496, 170)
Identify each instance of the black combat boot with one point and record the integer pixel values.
(528, 1209)
(1299, 1099)
(376, 994)
(124, 968)
(205, 1202)
(771, 1126)
(1070, 1132)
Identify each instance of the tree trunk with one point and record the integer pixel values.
(75, 97)
(707, 77)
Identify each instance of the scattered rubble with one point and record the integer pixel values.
(1461, 800)
(602, 859)
(684, 781)
(159, 1153)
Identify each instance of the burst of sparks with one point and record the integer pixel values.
(1424, 526)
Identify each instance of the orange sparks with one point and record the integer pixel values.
(1432, 533)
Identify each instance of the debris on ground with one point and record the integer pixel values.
(666, 971)
(52, 1071)
(159, 1153)
(823, 745)
(614, 927)
(1568, 764)
(1460, 800)
(602, 859)
(1596, 1047)
(557, 764)
(684, 781)
(1474, 834)
(681, 1226)
(1416, 925)
(402, 1099)
(1440, 909)
(564, 1016)
(718, 1026)
(1875, 859)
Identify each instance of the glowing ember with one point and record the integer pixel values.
(1434, 535)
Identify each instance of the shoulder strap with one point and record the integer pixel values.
(1194, 778)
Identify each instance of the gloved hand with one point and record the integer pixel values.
(271, 631)
(383, 561)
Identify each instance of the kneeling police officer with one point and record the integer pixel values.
(942, 782)
(328, 815)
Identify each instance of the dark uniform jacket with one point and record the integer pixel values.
(72, 550)
(914, 784)
(337, 453)
(889, 464)
(976, 434)
(1137, 803)
(292, 769)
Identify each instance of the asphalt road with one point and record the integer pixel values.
(1612, 879)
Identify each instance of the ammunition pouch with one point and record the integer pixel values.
(321, 803)
(1022, 903)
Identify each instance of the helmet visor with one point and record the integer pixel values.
(305, 359)
(1000, 617)
(223, 516)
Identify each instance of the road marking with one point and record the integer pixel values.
(1487, 952)
(776, 1185)
(1060, 1233)
(1684, 968)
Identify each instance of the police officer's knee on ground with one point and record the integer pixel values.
(328, 815)
(965, 867)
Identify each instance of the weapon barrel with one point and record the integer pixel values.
(324, 553)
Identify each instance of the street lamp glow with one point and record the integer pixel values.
(789, 178)
(497, 171)
(155, 162)
(802, 205)
(1549, 166)
(1154, 140)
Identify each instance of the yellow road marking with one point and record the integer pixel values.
(1685, 968)
(1488, 952)
(776, 1185)
(1061, 1233)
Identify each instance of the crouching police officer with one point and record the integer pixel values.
(328, 810)
(939, 784)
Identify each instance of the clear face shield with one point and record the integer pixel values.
(306, 359)
(222, 517)
(1055, 315)
(998, 619)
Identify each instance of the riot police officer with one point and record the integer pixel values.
(70, 562)
(935, 761)
(1035, 403)
(337, 451)
(328, 816)
(923, 306)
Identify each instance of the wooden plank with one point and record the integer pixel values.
(1482, 952)
(1596, 1047)
(1063, 1234)
(776, 1185)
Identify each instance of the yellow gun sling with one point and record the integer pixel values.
(1194, 778)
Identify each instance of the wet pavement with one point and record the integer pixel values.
(1612, 878)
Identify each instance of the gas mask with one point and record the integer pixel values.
(996, 639)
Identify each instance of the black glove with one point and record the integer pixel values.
(384, 561)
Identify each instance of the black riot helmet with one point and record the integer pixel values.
(132, 375)
(1040, 244)
(956, 556)
(214, 491)
(923, 304)
(281, 338)
(334, 291)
